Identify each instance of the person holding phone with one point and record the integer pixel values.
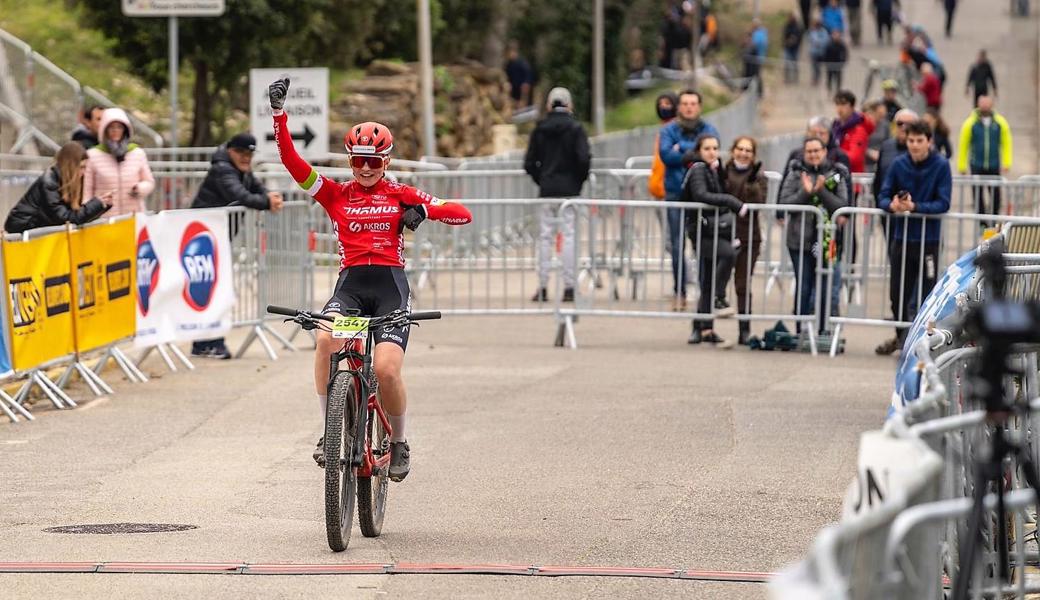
(56, 197)
(918, 183)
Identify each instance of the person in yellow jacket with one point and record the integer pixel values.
(985, 148)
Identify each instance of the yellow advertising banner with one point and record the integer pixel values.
(102, 258)
(40, 292)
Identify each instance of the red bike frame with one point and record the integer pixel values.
(369, 461)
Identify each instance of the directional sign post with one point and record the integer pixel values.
(307, 106)
(173, 9)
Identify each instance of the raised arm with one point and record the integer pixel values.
(317, 186)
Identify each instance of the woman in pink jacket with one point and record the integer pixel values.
(118, 166)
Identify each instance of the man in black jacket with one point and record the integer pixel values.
(230, 182)
(558, 160)
(980, 78)
(86, 132)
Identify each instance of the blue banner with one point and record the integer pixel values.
(940, 303)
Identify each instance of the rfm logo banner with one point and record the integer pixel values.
(183, 279)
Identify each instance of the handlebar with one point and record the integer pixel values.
(294, 313)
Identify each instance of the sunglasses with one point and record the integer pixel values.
(359, 161)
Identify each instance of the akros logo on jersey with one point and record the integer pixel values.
(147, 270)
(355, 211)
(200, 263)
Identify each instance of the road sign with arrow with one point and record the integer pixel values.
(307, 106)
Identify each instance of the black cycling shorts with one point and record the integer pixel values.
(375, 291)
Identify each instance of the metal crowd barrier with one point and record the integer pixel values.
(908, 544)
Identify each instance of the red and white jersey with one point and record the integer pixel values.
(367, 221)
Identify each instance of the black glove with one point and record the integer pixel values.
(689, 156)
(277, 92)
(414, 215)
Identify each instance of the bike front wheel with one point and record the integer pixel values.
(340, 476)
(372, 491)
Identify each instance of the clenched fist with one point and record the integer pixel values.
(276, 93)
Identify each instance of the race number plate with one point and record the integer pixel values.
(350, 327)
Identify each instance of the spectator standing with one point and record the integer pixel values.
(118, 165)
(743, 179)
(55, 198)
(677, 147)
(919, 183)
(986, 149)
(806, 7)
(819, 40)
(709, 41)
(713, 231)
(930, 87)
(981, 78)
(820, 127)
(666, 104)
(558, 161)
(86, 132)
(792, 43)
(520, 75)
(813, 181)
(851, 130)
(230, 182)
(950, 6)
(760, 45)
(883, 17)
(876, 112)
(832, 17)
(940, 133)
(854, 8)
(890, 96)
(834, 57)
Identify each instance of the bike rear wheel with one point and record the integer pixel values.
(340, 476)
(372, 491)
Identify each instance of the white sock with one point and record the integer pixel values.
(323, 401)
(397, 425)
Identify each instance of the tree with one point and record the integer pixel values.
(251, 33)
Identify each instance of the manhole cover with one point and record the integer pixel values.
(114, 528)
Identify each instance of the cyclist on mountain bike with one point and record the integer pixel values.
(368, 215)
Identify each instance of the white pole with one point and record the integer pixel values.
(173, 82)
(426, 78)
(598, 85)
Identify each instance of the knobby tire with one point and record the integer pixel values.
(372, 491)
(340, 477)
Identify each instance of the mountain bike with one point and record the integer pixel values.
(357, 431)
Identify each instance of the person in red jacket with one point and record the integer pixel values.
(369, 214)
(930, 87)
(851, 130)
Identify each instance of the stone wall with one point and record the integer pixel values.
(469, 99)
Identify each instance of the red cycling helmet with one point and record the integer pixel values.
(369, 138)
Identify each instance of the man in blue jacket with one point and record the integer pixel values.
(676, 147)
(918, 182)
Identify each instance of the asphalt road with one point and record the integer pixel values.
(644, 452)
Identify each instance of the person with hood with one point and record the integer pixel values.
(813, 181)
(55, 198)
(118, 165)
(851, 130)
(919, 183)
(677, 147)
(666, 104)
(558, 161)
(713, 230)
(986, 147)
(744, 179)
(86, 131)
(230, 182)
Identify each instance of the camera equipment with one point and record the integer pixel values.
(996, 325)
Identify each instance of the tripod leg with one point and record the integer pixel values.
(971, 541)
(1002, 535)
